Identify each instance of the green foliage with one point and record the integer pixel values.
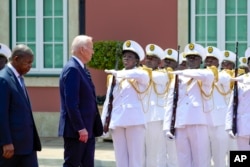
(105, 55)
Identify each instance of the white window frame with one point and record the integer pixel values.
(220, 23)
(39, 54)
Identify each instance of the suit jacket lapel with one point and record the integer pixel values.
(84, 74)
(16, 82)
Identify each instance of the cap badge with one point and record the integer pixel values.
(152, 47)
(210, 49)
(128, 44)
(244, 60)
(226, 54)
(169, 51)
(191, 46)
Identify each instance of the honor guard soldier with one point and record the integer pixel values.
(128, 124)
(242, 136)
(243, 67)
(182, 61)
(170, 59)
(170, 63)
(243, 86)
(217, 113)
(5, 54)
(227, 66)
(247, 56)
(191, 133)
(228, 60)
(154, 103)
(245, 61)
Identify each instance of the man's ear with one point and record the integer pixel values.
(14, 58)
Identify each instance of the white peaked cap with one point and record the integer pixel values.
(154, 50)
(212, 51)
(170, 53)
(5, 50)
(195, 49)
(229, 56)
(135, 47)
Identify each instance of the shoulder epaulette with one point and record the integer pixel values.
(108, 79)
(230, 72)
(149, 70)
(215, 72)
(241, 71)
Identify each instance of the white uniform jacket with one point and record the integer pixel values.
(190, 106)
(243, 112)
(127, 103)
(220, 100)
(155, 98)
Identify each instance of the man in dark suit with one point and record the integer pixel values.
(19, 139)
(78, 106)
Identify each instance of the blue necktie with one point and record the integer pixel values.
(89, 77)
(23, 86)
(88, 74)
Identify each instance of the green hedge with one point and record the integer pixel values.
(104, 56)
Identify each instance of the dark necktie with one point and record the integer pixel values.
(88, 73)
(23, 86)
(89, 77)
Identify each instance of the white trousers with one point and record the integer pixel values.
(192, 146)
(129, 146)
(219, 140)
(232, 145)
(156, 155)
(243, 143)
(171, 153)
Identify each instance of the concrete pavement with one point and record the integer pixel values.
(52, 153)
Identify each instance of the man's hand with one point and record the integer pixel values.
(83, 135)
(177, 72)
(8, 151)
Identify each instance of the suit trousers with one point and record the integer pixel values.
(78, 154)
(129, 145)
(29, 160)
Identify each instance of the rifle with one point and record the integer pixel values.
(235, 97)
(110, 103)
(175, 98)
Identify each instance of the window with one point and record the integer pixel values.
(42, 25)
(221, 23)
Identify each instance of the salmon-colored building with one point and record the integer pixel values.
(48, 27)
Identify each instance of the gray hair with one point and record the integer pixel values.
(21, 50)
(80, 41)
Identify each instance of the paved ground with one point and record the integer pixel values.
(52, 153)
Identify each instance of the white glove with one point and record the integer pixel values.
(177, 72)
(170, 135)
(240, 79)
(113, 72)
(231, 134)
